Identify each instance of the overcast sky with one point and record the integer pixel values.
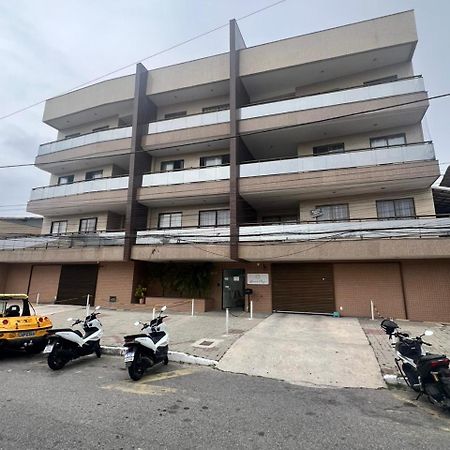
(50, 46)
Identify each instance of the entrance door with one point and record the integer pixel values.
(75, 282)
(233, 287)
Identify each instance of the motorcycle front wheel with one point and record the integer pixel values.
(136, 369)
(55, 359)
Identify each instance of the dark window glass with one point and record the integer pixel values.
(170, 220)
(175, 115)
(215, 108)
(88, 225)
(102, 128)
(396, 209)
(167, 166)
(280, 219)
(59, 227)
(65, 179)
(94, 174)
(388, 79)
(329, 148)
(337, 213)
(214, 218)
(387, 141)
(209, 161)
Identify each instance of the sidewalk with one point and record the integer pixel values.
(187, 333)
(384, 352)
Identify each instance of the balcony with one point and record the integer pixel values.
(422, 151)
(91, 196)
(85, 139)
(351, 95)
(80, 187)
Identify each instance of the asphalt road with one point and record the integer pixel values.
(91, 403)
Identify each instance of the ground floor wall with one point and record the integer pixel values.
(414, 290)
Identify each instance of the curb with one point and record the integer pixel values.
(173, 356)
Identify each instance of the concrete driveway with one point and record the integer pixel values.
(306, 350)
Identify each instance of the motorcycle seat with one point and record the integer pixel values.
(134, 336)
(66, 330)
(431, 357)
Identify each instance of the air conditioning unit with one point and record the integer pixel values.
(316, 213)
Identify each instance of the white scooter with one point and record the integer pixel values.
(66, 344)
(148, 348)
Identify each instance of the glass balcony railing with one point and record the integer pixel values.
(215, 173)
(366, 157)
(85, 139)
(196, 120)
(357, 94)
(80, 187)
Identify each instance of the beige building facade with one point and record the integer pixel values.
(294, 174)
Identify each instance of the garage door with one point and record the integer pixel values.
(75, 282)
(303, 288)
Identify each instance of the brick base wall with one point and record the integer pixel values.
(427, 290)
(3, 277)
(115, 279)
(45, 281)
(358, 283)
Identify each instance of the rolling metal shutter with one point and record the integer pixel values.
(75, 282)
(303, 288)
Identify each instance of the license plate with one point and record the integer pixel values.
(26, 333)
(129, 356)
(48, 348)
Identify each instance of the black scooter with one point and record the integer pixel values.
(425, 373)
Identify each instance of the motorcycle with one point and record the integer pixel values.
(150, 347)
(66, 344)
(423, 372)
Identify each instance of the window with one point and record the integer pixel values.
(175, 115)
(102, 128)
(386, 141)
(280, 219)
(88, 225)
(214, 218)
(209, 161)
(170, 220)
(388, 79)
(215, 108)
(337, 213)
(70, 136)
(65, 179)
(167, 166)
(59, 227)
(329, 148)
(395, 209)
(94, 174)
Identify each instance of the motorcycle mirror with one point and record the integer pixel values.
(136, 324)
(428, 333)
(163, 308)
(69, 319)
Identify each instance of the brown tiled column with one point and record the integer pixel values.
(144, 111)
(238, 98)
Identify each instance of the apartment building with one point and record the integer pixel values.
(295, 171)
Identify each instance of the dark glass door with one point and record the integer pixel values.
(233, 287)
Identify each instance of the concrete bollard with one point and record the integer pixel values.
(38, 296)
(227, 319)
(192, 307)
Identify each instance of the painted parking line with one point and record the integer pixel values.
(146, 386)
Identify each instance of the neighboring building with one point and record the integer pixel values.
(297, 168)
(19, 226)
(441, 195)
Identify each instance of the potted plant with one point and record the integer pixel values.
(139, 294)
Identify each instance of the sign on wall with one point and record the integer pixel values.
(257, 278)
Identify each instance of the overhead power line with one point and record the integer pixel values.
(242, 135)
(146, 58)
